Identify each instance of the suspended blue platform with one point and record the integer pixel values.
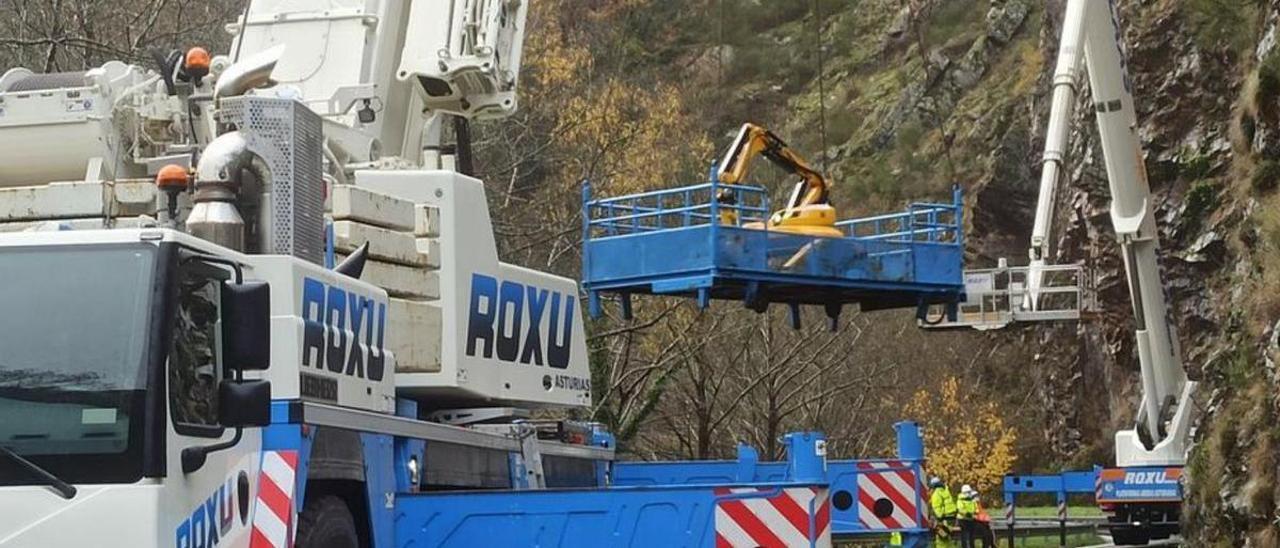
(708, 242)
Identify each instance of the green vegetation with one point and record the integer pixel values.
(1221, 24)
(1266, 177)
(1238, 370)
(1042, 541)
(1201, 200)
(1243, 435)
(1268, 92)
(1084, 539)
(1196, 166)
(955, 19)
(1264, 301)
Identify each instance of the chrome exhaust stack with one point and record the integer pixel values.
(260, 187)
(216, 216)
(249, 73)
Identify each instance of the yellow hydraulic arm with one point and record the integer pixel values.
(808, 210)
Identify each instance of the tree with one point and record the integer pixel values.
(966, 438)
(741, 377)
(69, 35)
(793, 379)
(633, 366)
(584, 116)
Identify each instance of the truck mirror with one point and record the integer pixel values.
(246, 325)
(243, 404)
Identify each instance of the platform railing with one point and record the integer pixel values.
(997, 297)
(713, 240)
(681, 207)
(921, 222)
(701, 204)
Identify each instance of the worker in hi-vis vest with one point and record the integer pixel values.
(967, 514)
(895, 540)
(943, 504)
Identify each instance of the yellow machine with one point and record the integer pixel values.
(808, 212)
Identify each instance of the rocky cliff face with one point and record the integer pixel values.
(1198, 102)
(965, 98)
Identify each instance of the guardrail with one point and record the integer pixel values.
(1062, 486)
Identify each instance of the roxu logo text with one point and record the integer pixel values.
(506, 320)
(1146, 478)
(343, 331)
(213, 520)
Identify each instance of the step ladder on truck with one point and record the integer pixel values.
(300, 329)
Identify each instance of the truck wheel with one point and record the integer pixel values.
(326, 523)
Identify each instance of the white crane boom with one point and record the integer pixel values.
(381, 72)
(1091, 34)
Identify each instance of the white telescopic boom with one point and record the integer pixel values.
(1065, 79)
(1091, 30)
(1132, 215)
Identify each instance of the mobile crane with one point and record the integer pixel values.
(1143, 494)
(248, 303)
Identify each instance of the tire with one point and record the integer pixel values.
(326, 522)
(1129, 537)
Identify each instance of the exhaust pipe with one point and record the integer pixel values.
(215, 217)
(251, 72)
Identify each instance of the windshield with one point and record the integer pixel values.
(73, 339)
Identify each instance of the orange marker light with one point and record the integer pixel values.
(197, 62)
(172, 180)
(172, 177)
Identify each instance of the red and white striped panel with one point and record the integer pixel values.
(273, 512)
(799, 516)
(891, 481)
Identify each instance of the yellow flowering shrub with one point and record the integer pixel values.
(966, 440)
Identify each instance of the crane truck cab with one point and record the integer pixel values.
(135, 372)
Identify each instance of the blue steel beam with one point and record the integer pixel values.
(651, 515)
(1083, 481)
(682, 515)
(843, 477)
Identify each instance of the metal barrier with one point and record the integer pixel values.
(869, 497)
(1060, 485)
(742, 205)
